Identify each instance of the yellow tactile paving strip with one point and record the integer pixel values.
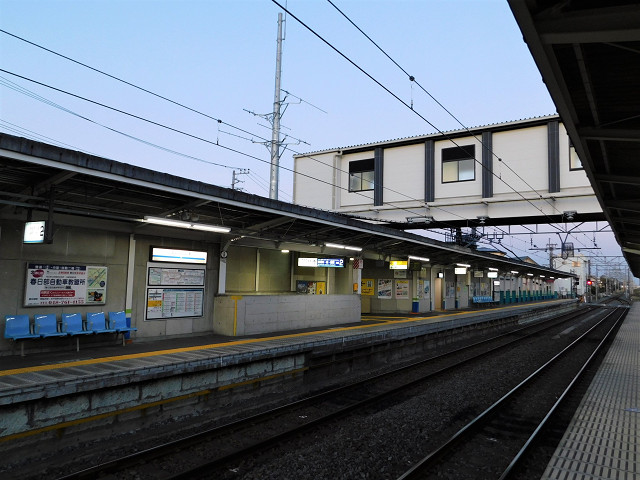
(602, 439)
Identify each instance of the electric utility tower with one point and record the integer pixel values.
(275, 132)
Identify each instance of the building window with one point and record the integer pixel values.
(574, 161)
(361, 175)
(459, 164)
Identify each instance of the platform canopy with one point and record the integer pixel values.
(588, 53)
(75, 188)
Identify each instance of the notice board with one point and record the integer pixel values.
(174, 302)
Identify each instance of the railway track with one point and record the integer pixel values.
(496, 442)
(217, 449)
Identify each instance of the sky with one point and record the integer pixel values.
(217, 57)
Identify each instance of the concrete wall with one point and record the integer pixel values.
(103, 243)
(257, 314)
(72, 245)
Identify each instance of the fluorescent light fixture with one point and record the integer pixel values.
(515, 272)
(169, 222)
(493, 269)
(530, 274)
(463, 265)
(345, 247)
(284, 251)
(552, 278)
(541, 276)
(420, 259)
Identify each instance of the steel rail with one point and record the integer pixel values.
(429, 460)
(151, 453)
(510, 470)
(206, 468)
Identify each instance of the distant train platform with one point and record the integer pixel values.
(46, 393)
(42, 361)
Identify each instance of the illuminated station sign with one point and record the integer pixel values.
(321, 262)
(398, 265)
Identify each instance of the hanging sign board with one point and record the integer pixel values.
(398, 264)
(460, 270)
(34, 232)
(492, 274)
(177, 256)
(321, 262)
(331, 262)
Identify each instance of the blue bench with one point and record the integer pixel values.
(18, 327)
(46, 325)
(97, 323)
(484, 300)
(72, 325)
(118, 322)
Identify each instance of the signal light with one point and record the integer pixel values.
(589, 282)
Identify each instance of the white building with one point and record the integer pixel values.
(578, 265)
(517, 172)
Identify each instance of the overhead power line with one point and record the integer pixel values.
(410, 107)
(200, 113)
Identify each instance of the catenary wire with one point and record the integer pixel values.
(197, 111)
(138, 117)
(184, 106)
(217, 144)
(414, 80)
(123, 81)
(422, 117)
(16, 87)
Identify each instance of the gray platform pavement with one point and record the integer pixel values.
(34, 372)
(602, 440)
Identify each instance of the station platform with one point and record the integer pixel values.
(42, 395)
(602, 440)
(16, 365)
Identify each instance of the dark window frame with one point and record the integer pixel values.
(357, 168)
(571, 168)
(458, 154)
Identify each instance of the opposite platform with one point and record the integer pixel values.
(602, 439)
(41, 394)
